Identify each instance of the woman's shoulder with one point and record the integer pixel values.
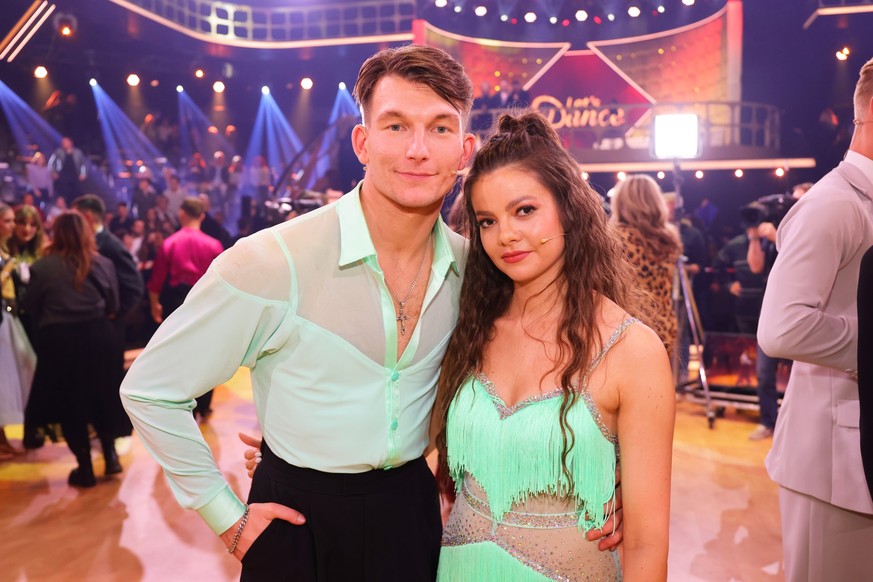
(635, 337)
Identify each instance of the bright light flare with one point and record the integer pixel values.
(40, 72)
(634, 11)
(133, 80)
(218, 87)
(530, 17)
(179, 88)
(699, 174)
(480, 11)
(780, 172)
(738, 173)
(661, 175)
(342, 86)
(265, 90)
(581, 15)
(199, 73)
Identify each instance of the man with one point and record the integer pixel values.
(211, 226)
(69, 170)
(144, 196)
(810, 315)
(342, 315)
(130, 291)
(166, 220)
(181, 262)
(175, 193)
(122, 219)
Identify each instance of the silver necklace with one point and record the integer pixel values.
(402, 317)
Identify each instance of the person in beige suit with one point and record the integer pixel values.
(810, 315)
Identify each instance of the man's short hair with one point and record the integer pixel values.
(425, 65)
(864, 91)
(90, 203)
(192, 207)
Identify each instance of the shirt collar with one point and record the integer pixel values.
(356, 244)
(861, 162)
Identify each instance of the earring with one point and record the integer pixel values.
(365, 167)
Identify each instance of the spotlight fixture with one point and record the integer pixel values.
(133, 79)
(342, 86)
(66, 24)
(780, 172)
(530, 17)
(441, 3)
(480, 11)
(40, 72)
(661, 9)
(199, 73)
(553, 19)
(610, 17)
(504, 17)
(845, 51)
(699, 173)
(458, 9)
(621, 176)
(218, 87)
(581, 15)
(634, 11)
(841, 56)
(585, 176)
(738, 173)
(661, 175)
(179, 88)
(265, 90)
(688, 2)
(93, 82)
(306, 83)
(154, 83)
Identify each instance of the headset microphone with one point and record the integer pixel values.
(545, 240)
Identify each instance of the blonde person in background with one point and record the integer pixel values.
(652, 246)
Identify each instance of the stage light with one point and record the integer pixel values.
(504, 17)
(306, 83)
(342, 86)
(585, 176)
(676, 136)
(661, 9)
(530, 17)
(841, 56)
(265, 90)
(738, 173)
(441, 3)
(633, 11)
(133, 79)
(598, 20)
(458, 9)
(581, 15)
(179, 88)
(610, 17)
(155, 83)
(661, 175)
(93, 82)
(845, 51)
(199, 73)
(218, 87)
(688, 2)
(565, 22)
(65, 24)
(698, 174)
(780, 172)
(480, 11)
(621, 176)
(553, 19)
(40, 72)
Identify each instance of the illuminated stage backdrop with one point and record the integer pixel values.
(601, 100)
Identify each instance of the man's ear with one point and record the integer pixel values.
(359, 144)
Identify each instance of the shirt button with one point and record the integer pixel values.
(394, 424)
(395, 376)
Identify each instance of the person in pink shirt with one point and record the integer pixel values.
(180, 263)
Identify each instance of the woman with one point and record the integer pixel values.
(545, 376)
(17, 359)
(39, 177)
(71, 293)
(28, 238)
(652, 246)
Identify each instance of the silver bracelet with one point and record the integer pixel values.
(238, 532)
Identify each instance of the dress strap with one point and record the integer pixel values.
(613, 339)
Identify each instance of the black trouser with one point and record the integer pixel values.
(172, 297)
(381, 525)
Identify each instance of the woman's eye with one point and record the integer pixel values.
(485, 223)
(526, 210)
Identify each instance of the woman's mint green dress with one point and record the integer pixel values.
(516, 518)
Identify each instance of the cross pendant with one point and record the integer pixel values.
(402, 317)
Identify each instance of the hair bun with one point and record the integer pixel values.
(526, 123)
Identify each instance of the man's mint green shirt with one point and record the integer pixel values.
(303, 305)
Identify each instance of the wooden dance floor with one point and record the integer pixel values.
(724, 526)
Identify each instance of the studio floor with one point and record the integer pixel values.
(724, 525)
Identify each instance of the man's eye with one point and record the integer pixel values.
(442, 129)
(394, 127)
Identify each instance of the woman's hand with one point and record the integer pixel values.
(252, 455)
